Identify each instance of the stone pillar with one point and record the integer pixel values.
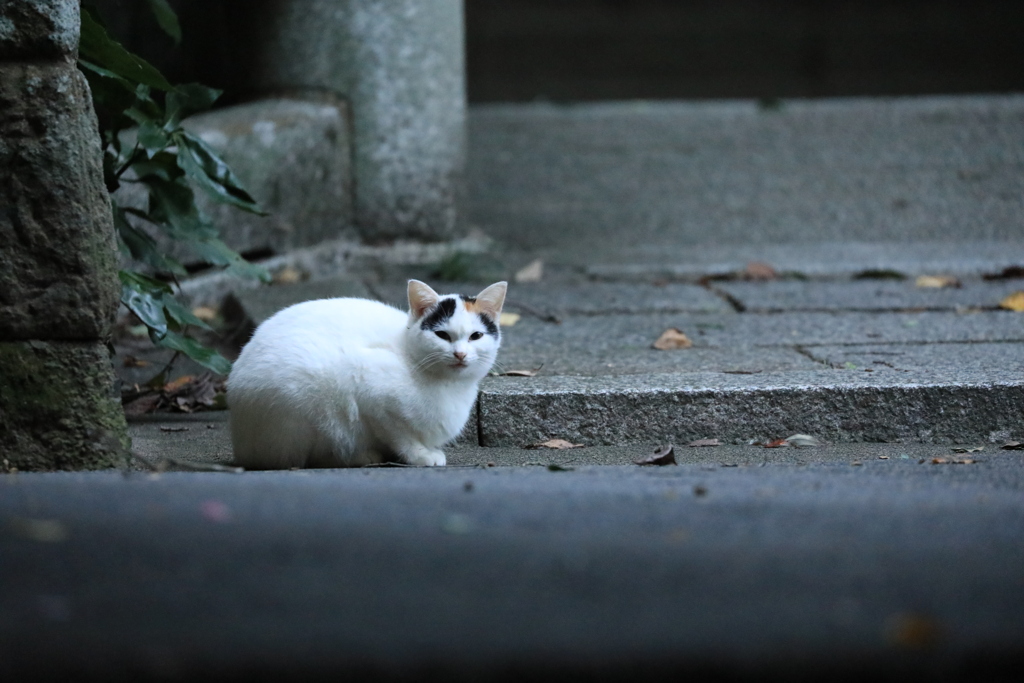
(400, 65)
(58, 259)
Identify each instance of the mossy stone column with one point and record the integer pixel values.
(58, 259)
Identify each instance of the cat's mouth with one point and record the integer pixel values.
(459, 364)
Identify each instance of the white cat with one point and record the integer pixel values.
(347, 382)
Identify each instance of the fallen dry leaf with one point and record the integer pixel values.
(802, 441)
(205, 313)
(167, 428)
(672, 339)
(508, 319)
(702, 443)
(557, 444)
(778, 443)
(1014, 302)
(974, 449)
(757, 270)
(133, 362)
(520, 373)
(288, 276)
(936, 281)
(914, 631)
(175, 385)
(1013, 446)
(531, 272)
(663, 455)
(940, 461)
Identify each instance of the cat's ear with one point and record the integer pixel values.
(421, 298)
(492, 299)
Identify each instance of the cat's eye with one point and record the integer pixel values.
(444, 335)
(475, 336)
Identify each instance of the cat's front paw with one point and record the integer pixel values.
(426, 457)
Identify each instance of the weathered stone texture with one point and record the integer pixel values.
(400, 64)
(38, 28)
(58, 258)
(294, 158)
(57, 407)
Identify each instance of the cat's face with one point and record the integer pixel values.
(453, 335)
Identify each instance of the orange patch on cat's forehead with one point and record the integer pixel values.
(471, 306)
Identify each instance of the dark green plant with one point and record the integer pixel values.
(145, 144)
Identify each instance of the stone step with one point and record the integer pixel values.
(844, 360)
(679, 174)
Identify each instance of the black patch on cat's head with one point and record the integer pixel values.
(489, 325)
(444, 310)
(468, 299)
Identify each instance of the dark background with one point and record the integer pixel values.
(579, 50)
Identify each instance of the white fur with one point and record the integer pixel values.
(347, 382)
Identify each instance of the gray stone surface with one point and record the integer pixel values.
(677, 173)
(611, 260)
(562, 298)
(634, 334)
(38, 29)
(256, 305)
(400, 65)
(836, 405)
(58, 261)
(890, 570)
(294, 157)
(58, 407)
(204, 438)
(993, 360)
(865, 295)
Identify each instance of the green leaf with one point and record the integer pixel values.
(216, 252)
(202, 164)
(162, 165)
(152, 138)
(188, 99)
(166, 18)
(140, 245)
(97, 47)
(181, 314)
(172, 207)
(208, 358)
(143, 301)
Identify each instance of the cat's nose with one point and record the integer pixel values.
(460, 355)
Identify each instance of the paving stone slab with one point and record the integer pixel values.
(730, 172)
(864, 295)
(205, 439)
(256, 305)
(584, 298)
(593, 342)
(995, 360)
(837, 405)
(819, 260)
(829, 572)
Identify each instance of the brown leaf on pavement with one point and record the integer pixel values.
(802, 441)
(520, 373)
(778, 443)
(936, 281)
(531, 272)
(663, 455)
(508, 319)
(1013, 446)
(758, 270)
(973, 449)
(557, 444)
(672, 339)
(1014, 302)
(702, 443)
